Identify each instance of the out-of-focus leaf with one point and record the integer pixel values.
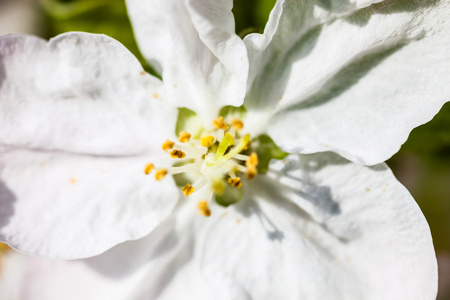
(423, 166)
(251, 15)
(100, 16)
(433, 138)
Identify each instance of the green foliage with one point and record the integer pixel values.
(422, 165)
(188, 121)
(266, 150)
(251, 15)
(100, 16)
(433, 138)
(233, 111)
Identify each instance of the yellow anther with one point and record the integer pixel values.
(203, 208)
(149, 168)
(168, 144)
(187, 189)
(238, 124)
(235, 182)
(177, 154)
(219, 123)
(253, 160)
(160, 174)
(207, 141)
(251, 172)
(184, 137)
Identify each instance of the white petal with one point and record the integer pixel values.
(75, 114)
(10, 273)
(175, 271)
(375, 244)
(288, 22)
(27, 277)
(358, 84)
(62, 205)
(81, 93)
(203, 62)
(163, 265)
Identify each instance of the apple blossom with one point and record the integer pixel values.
(244, 198)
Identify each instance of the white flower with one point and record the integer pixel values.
(80, 120)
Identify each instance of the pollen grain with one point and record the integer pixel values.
(160, 174)
(203, 208)
(188, 189)
(219, 123)
(235, 182)
(177, 154)
(149, 168)
(207, 140)
(184, 137)
(167, 145)
(238, 124)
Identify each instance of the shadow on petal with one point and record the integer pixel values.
(156, 257)
(349, 76)
(126, 258)
(363, 16)
(2, 72)
(262, 94)
(249, 207)
(7, 200)
(399, 6)
(284, 183)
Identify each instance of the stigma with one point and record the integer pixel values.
(216, 160)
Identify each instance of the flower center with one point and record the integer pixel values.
(212, 164)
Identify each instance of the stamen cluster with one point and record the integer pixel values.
(219, 156)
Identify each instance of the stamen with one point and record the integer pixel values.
(191, 151)
(219, 123)
(240, 168)
(195, 142)
(168, 144)
(252, 160)
(241, 157)
(160, 174)
(251, 172)
(177, 154)
(149, 168)
(203, 208)
(188, 189)
(200, 183)
(214, 159)
(235, 182)
(238, 124)
(184, 137)
(207, 141)
(251, 164)
(194, 167)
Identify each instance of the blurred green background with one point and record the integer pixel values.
(422, 165)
